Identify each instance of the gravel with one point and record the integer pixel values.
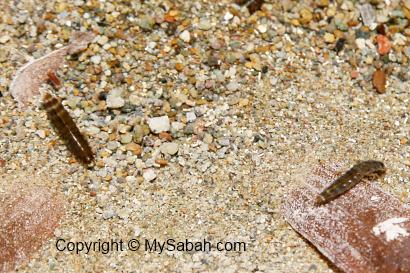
(202, 118)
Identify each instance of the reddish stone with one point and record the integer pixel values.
(383, 44)
(166, 136)
(169, 18)
(379, 81)
(354, 74)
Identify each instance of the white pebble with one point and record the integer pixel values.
(232, 86)
(170, 148)
(41, 133)
(361, 43)
(273, 80)
(159, 124)
(109, 213)
(102, 40)
(204, 24)
(93, 130)
(228, 16)
(96, 59)
(190, 116)
(115, 102)
(185, 36)
(177, 126)
(149, 175)
(4, 39)
(262, 28)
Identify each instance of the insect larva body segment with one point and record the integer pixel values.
(349, 179)
(53, 79)
(67, 129)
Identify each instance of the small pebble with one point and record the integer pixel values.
(204, 24)
(232, 86)
(96, 59)
(159, 124)
(361, 43)
(149, 175)
(126, 138)
(185, 36)
(407, 51)
(208, 138)
(329, 38)
(190, 116)
(228, 16)
(262, 28)
(4, 39)
(224, 141)
(379, 81)
(114, 99)
(368, 15)
(134, 148)
(383, 44)
(170, 148)
(177, 126)
(165, 136)
(146, 22)
(41, 133)
(340, 44)
(108, 214)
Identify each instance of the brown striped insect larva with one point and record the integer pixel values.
(349, 179)
(67, 129)
(53, 79)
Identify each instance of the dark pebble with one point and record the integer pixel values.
(265, 69)
(102, 96)
(340, 44)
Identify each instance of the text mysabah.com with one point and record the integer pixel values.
(154, 245)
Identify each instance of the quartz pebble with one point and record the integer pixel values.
(159, 124)
(185, 36)
(190, 116)
(204, 24)
(4, 39)
(232, 86)
(170, 148)
(96, 59)
(149, 175)
(114, 99)
(368, 15)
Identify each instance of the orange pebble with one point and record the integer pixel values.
(161, 162)
(354, 74)
(166, 136)
(383, 44)
(379, 81)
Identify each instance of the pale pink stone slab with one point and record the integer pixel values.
(364, 230)
(29, 77)
(28, 217)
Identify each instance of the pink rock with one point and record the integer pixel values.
(29, 77)
(28, 217)
(354, 74)
(364, 230)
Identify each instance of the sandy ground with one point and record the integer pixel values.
(304, 109)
